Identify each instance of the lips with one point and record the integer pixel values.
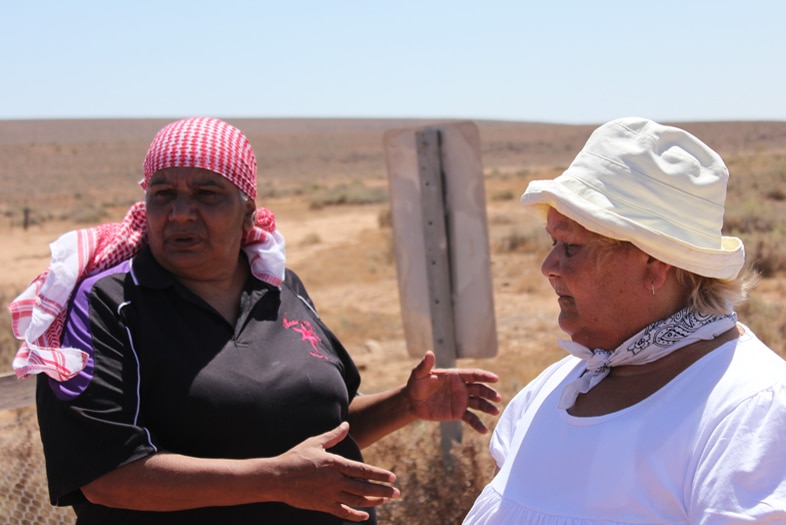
(564, 298)
(559, 292)
(182, 240)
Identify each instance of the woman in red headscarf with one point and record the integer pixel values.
(189, 379)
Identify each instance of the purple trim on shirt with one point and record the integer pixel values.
(77, 334)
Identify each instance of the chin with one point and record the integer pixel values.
(565, 324)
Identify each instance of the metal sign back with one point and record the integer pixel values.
(438, 207)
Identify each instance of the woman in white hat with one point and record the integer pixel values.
(668, 410)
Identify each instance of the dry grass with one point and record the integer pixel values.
(433, 490)
(343, 251)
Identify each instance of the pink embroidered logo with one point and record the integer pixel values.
(307, 333)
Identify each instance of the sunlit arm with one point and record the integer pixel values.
(429, 394)
(306, 477)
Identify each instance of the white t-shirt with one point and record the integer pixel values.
(708, 448)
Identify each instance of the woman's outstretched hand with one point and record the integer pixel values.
(312, 478)
(447, 394)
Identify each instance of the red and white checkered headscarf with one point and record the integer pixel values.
(204, 142)
(38, 314)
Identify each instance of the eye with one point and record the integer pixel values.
(208, 194)
(570, 249)
(211, 188)
(161, 194)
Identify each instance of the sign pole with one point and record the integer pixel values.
(438, 271)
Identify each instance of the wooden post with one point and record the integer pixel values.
(438, 271)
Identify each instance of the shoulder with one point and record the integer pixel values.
(551, 376)
(293, 281)
(748, 373)
(541, 386)
(108, 282)
(754, 363)
(294, 284)
(519, 412)
(101, 292)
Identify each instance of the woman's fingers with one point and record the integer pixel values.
(333, 437)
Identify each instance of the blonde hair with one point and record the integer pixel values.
(717, 296)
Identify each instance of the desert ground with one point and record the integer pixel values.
(73, 174)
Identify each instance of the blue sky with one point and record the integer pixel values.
(565, 61)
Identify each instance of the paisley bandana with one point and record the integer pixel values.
(38, 313)
(655, 341)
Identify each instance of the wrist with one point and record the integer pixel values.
(408, 405)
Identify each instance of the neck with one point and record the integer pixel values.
(627, 385)
(677, 361)
(656, 309)
(222, 294)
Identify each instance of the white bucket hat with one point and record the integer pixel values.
(657, 187)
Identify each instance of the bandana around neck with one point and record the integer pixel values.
(652, 343)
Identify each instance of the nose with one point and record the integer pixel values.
(550, 266)
(181, 208)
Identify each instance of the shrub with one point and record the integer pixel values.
(353, 193)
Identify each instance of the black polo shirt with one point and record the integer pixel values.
(167, 372)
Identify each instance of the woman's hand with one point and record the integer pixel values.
(449, 394)
(312, 478)
(306, 476)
